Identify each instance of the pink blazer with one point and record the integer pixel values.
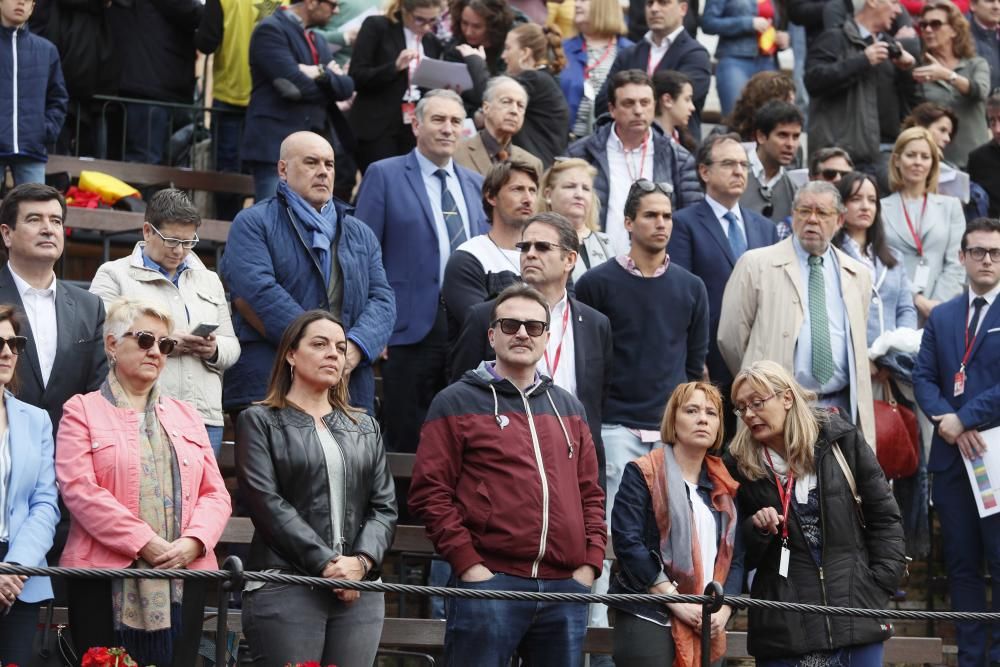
(97, 465)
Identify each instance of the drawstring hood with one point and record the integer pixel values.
(562, 424)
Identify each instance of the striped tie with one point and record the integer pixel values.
(452, 217)
(819, 323)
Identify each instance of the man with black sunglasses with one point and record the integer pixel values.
(506, 483)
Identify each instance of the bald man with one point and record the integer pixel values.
(296, 251)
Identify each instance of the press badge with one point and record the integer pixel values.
(783, 560)
(959, 383)
(409, 110)
(922, 276)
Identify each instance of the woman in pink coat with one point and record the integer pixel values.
(139, 479)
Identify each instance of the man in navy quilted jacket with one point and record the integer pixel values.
(33, 96)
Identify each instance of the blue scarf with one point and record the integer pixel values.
(321, 226)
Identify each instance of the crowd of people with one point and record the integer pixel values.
(593, 318)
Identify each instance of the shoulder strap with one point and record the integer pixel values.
(842, 462)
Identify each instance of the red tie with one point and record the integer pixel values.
(311, 41)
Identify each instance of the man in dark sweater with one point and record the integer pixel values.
(984, 162)
(659, 330)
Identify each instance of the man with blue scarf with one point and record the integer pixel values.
(299, 250)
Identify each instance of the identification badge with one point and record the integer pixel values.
(959, 383)
(783, 561)
(921, 276)
(588, 90)
(409, 110)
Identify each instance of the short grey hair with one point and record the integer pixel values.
(502, 80)
(820, 188)
(123, 313)
(435, 94)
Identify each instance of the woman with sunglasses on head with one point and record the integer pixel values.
(29, 510)
(138, 476)
(567, 188)
(163, 268)
(683, 487)
(953, 76)
(316, 482)
(821, 525)
(924, 227)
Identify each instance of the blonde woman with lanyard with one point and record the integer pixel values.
(924, 227)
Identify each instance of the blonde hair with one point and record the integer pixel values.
(802, 422)
(123, 313)
(394, 10)
(551, 177)
(681, 395)
(605, 18)
(906, 137)
(545, 44)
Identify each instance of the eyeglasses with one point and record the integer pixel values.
(15, 343)
(729, 165)
(932, 25)
(833, 174)
(423, 21)
(147, 338)
(173, 243)
(649, 186)
(807, 212)
(510, 326)
(756, 405)
(540, 246)
(979, 254)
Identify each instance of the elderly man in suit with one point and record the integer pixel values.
(667, 46)
(710, 237)
(957, 383)
(504, 104)
(422, 207)
(804, 304)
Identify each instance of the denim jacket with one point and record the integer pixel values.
(732, 21)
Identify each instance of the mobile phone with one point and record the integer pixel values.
(204, 329)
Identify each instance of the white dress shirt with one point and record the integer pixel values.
(433, 186)
(990, 297)
(657, 51)
(565, 374)
(40, 307)
(624, 168)
(412, 93)
(719, 210)
(757, 167)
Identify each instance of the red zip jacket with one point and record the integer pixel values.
(509, 480)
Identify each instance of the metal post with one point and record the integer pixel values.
(713, 590)
(234, 566)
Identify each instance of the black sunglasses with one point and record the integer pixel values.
(934, 24)
(147, 338)
(540, 246)
(833, 174)
(15, 343)
(510, 326)
(768, 209)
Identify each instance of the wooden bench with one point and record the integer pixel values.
(140, 175)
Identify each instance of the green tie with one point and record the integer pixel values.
(819, 325)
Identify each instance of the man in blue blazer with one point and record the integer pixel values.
(419, 224)
(711, 235)
(957, 384)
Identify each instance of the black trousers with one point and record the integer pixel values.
(91, 618)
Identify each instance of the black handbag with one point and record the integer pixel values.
(53, 647)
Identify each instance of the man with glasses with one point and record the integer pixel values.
(296, 85)
(162, 268)
(957, 384)
(830, 164)
(711, 236)
(298, 250)
(777, 130)
(506, 483)
(504, 104)
(804, 304)
(632, 148)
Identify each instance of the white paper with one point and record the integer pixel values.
(433, 73)
(984, 474)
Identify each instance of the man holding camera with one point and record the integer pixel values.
(860, 84)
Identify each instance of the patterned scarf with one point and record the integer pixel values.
(147, 612)
(679, 538)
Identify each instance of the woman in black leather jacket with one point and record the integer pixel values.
(796, 495)
(314, 476)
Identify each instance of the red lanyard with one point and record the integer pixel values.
(642, 161)
(587, 69)
(969, 344)
(784, 495)
(562, 337)
(913, 232)
(650, 65)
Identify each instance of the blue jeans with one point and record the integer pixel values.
(732, 73)
(227, 130)
(486, 633)
(147, 129)
(215, 437)
(17, 633)
(867, 655)
(25, 170)
(265, 179)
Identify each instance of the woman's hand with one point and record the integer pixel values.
(180, 554)
(924, 305)
(198, 346)
(767, 520)
(760, 24)
(404, 58)
(154, 549)
(11, 586)
(719, 621)
(934, 71)
(782, 40)
(467, 51)
(687, 613)
(345, 567)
